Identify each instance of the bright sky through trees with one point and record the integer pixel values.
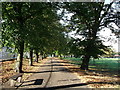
(105, 34)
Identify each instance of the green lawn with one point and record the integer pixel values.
(111, 64)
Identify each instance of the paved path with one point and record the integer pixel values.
(53, 75)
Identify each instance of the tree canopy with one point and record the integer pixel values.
(35, 26)
(87, 20)
(31, 25)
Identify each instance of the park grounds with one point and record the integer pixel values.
(102, 73)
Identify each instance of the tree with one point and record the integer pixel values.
(17, 17)
(112, 19)
(39, 29)
(87, 21)
(13, 27)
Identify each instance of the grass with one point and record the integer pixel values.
(111, 64)
(102, 72)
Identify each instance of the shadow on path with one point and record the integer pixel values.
(71, 86)
(61, 69)
(60, 87)
(37, 82)
(55, 65)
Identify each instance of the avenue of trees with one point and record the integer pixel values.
(31, 27)
(36, 28)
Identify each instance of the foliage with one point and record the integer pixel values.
(36, 26)
(32, 26)
(112, 19)
(78, 48)
(87, 20)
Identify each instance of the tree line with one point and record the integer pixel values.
(35, 27)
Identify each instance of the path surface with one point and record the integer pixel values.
(53, 75)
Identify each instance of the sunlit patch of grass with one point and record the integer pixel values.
(73, 60)
(97, 76)
(111, 64)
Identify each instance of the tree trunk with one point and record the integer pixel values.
(85, 62)
(44, 55)
(53, 54)
(17, 63)
(21, 50)
(36, 57)
(60, 55)
(41, 54)
(31, 58)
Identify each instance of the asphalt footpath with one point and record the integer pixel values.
(54, 75)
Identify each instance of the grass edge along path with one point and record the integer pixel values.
(112, 64)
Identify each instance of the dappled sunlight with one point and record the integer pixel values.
(97, 77)
(8, 69)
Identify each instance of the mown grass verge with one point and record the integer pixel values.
(111, 64)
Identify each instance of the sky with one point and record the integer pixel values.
(107, 33)
(114, 42)
(107, 1)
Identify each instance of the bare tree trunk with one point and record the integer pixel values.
(41, 54)
(53, 54)
(17, 63)
(85, 62)
(44, 55)
(20, 57)
(60, 55)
